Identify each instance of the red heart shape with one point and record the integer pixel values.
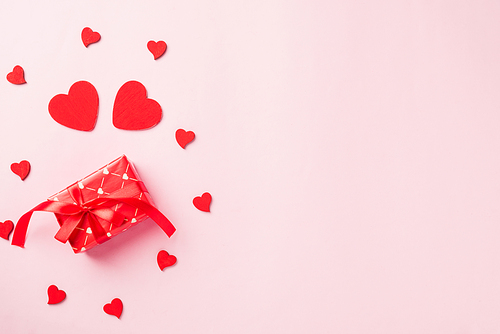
(157, 48)
(5, 228)
(202, 202)
(55, 295)
(165, 260)
(16, 77)
(133, 110)
(89, 36)
(78, 109)
(22, 169)
(183, 138)
(114, 308)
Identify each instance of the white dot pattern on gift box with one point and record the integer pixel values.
(100, 191)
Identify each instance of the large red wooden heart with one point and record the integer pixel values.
(89, 36)
(78, 109)
(16, 77)
(157, 48)
(133, 110)
(5, 229)
(202, 202)
(21, 169)
(184, 137)
(114, 308)
(55, 295)
(165, 260)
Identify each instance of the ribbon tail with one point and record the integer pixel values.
(154, 214)
(21, 229)
(68, 227)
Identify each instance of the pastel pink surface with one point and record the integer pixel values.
(351, 148)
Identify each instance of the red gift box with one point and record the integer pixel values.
(98, 207)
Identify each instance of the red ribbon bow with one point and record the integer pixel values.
(79, 212)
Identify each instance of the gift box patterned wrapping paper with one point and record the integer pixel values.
(98, 207)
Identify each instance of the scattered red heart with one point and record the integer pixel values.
(114, 308)
(133, 110)
(89, 36)
(55, 295)
(78, 109)
(202, 202)
(184, 137)
(165, 260)
(5, 229)
(21, 169)
(16, 77)
(157, 48)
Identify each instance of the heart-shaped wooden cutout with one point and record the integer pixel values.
(133, 110)
(114, 308)
(22, 169)
(6, 228)
(78, 109)
(202, 202)
(157, 48)
(89, 36)
(16, 77)
(184, 137)
(55, 295)
(165, 260)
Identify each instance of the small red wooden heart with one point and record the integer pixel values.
(16, 77)
(133, 110)
(157, 48)
(22, 169)
(202, 202)
(55, 295)
(89, 36)
(183, 138)
(78, 109)
(165, 260)
(5, 228)
(114, 308)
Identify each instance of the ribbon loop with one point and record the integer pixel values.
(77, 213)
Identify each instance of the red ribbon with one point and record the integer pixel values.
(79, 212)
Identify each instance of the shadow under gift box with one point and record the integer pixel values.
(98, 207)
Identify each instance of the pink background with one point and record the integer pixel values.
(351, 148)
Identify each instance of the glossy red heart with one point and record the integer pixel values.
(16, 77)
(114, 308)
(202, 202)
(78, 109)
(22, 169)
(55, 295)
(157, 48)
(165, 260)
(133, 110)
(89, 36)
(184, 137)
(5, 228)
